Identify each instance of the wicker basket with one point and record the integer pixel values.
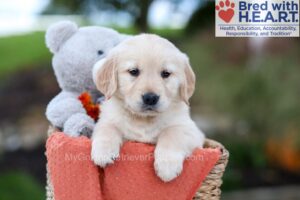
(210, 188)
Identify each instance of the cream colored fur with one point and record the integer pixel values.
(169, 125)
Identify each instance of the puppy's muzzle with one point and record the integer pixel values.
(150, 99)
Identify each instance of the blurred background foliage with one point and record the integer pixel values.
(247, 93)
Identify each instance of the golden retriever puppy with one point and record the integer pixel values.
(147, 83)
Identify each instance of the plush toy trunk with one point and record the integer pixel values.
(210, 187)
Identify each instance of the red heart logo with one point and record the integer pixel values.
(226, 15)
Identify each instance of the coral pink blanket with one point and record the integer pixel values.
(131, 177)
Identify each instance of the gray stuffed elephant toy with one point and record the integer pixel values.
(75, 51)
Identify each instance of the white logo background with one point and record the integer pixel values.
(255, 21)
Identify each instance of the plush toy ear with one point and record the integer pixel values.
(59, 33)
(188, 86)
(105, 76)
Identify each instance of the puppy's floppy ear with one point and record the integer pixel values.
(105, 76)
(59, 33)
(188, 86)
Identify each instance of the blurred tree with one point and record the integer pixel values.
(136, 8)
(202, 18)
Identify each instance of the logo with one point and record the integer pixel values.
(257, 18)
(225, 10)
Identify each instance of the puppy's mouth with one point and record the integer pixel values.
(148, 111)
(147, 108)
(143, 111)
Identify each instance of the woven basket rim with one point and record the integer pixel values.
(210, 188)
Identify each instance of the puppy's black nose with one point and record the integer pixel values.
(150, 99)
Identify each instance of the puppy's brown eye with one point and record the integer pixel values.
(165, 74)
(134, 72)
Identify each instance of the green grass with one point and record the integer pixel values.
(23, 51)
(20, 186)
(29, 50)
(259, 103)
(266, 98)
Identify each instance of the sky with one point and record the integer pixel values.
(161, 13)
(18, 16)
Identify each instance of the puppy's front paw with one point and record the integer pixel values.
(168, 165)
(104, 153)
